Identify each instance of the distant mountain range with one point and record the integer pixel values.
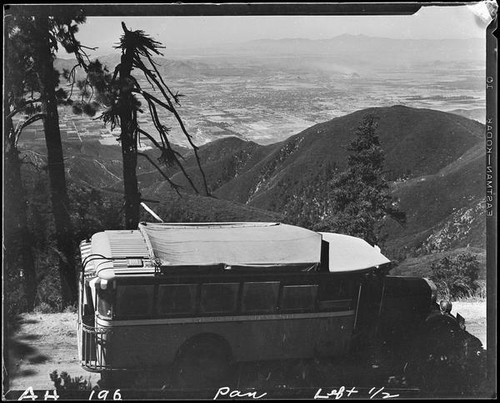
(171, 67)
(422, 50)
(344, 53)
(368, 48)
(435, 162)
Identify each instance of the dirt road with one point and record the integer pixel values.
(40, 344)
(474, 313)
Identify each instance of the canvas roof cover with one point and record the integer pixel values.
(232, 244)
(348, 253)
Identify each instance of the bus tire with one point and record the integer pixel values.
(203, 361)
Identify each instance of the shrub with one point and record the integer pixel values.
(71, 309)
(43, 307)
(456, 277)
(481, 289)
(14, 301)
(48, 290)
(66, 382)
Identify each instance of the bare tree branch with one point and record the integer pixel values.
(182, 126)
(174, 155)
(174, 185)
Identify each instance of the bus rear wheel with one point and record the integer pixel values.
(203, 362)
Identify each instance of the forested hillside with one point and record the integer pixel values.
(434, 161)
(434, 164)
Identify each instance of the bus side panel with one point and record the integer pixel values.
(324, 337)
(138, 346)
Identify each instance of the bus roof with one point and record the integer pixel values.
(232, 244)
(348, 253)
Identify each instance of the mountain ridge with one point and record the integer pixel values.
(435, 164)
(328, 140)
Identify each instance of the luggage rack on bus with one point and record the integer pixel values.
(164, 270)
(93, 345)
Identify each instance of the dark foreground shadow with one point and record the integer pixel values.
(19, 348)
(375, 372)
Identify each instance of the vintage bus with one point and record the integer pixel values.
(194, 298)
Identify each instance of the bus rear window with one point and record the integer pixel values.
(218, 297)
(298, 298)
(260, 297)
(176, 299)
(134, 300)
(104, 303)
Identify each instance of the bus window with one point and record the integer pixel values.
(298, 298)
(336, 289)
(176, 299)
(134, 300)
(260, 297)
(218, 297)
(345, 289)
(87, 310)
(105, 302)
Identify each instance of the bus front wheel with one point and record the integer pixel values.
(203, 362)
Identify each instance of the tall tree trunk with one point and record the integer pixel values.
(58, 190)
(18, 239)
(128, 122)
(132, 195)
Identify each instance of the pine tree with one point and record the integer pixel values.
(119, 95)
(33, 41)
(359, 197)
(19, 259)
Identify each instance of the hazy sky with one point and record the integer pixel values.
(199, 31)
